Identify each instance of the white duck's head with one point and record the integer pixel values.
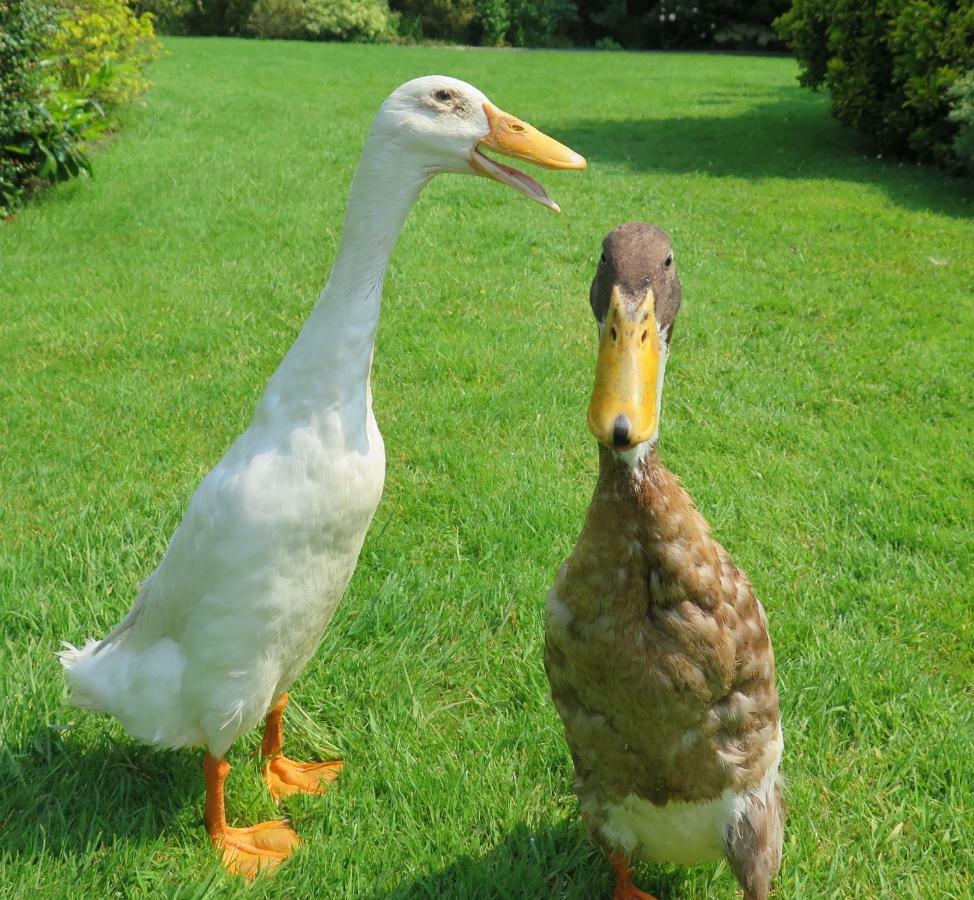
(441, 124)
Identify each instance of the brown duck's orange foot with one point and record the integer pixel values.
(625, 889)
(257, 850)
(629, 891)
(285, 777)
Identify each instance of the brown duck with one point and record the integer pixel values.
(656, 648)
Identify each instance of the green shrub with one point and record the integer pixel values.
(227, 17)
(443, 20)
(524, 23)
(494, 19)
(63, 66)
(962, 114)
(275, 19)
(25, 28)
(889, 65)
(335, 20)
(168, 16)
(541, 23)
(56, 148)
(347, 20)
(93, 32)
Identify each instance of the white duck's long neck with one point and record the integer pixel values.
(329, 364)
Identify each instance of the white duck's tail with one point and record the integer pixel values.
(77, 664)
(140, 688)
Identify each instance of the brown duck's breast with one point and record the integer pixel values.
(658, 657)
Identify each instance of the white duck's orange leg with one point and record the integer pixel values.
(625, 889)
(285, 776)
(246, 851)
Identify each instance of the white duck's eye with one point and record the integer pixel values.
(443, 95)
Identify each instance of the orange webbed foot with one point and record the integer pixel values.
(630, 892)
(285, 777)
(625, 889)
(257, 850)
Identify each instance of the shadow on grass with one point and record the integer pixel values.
(68, 797)
(788, 133)
(552, 861)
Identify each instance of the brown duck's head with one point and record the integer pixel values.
(635, 296)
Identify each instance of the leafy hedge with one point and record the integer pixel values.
(343, 20)
(64, 66)
(729, 24)
(894, 69)
(24, 30)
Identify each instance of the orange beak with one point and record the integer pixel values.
(624, 410)
(516, 138)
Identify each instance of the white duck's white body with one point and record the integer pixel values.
(270, 539)
(254, 573)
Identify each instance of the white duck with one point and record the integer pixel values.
(253, 574)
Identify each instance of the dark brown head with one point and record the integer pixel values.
(635, 297)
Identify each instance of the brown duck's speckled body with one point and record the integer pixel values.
(657, 650)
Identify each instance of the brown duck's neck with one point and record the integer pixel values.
(681, 558)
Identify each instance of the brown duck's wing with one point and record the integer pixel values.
(745, 719)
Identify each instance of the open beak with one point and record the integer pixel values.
(624, 410)
(512, 137)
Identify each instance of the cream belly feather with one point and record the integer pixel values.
(683, 833)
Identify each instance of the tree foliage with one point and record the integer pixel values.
(890, 66)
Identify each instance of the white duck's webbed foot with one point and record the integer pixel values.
(251, 851)
(284, 776)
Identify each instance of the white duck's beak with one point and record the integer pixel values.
(513, 137)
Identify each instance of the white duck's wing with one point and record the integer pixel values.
(132, 616)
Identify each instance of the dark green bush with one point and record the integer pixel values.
(25, 27)
(218, 17)
(325, 20)
(889, 65)
(168, 15)
(546, 23)
(277, 19)
(683, 24)
(440, 20)
(962, 115)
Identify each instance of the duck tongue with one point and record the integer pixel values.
(525, 184)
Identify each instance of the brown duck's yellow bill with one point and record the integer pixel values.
(624, 409)
(515, 138)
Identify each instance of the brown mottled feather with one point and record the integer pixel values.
(663, 671)
(667, 636)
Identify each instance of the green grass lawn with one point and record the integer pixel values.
(817, 407)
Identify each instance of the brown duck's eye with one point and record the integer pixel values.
(602, 259)
(443, 95)
(668, 261)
